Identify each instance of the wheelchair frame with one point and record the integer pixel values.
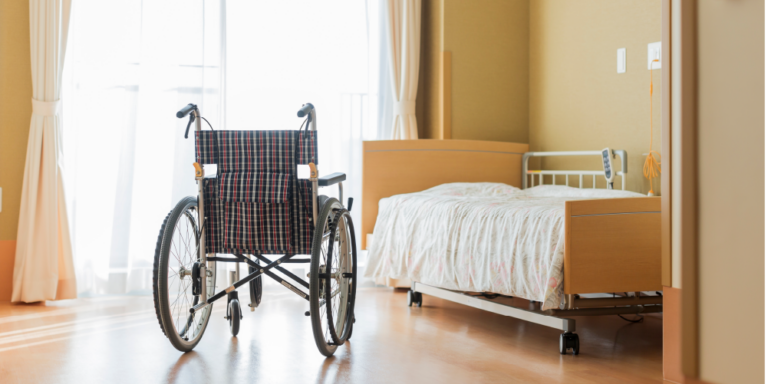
(335, 178)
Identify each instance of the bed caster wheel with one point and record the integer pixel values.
(234, 315)
(414, 298)
(568, 341)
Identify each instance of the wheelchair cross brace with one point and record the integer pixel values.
(260, 270)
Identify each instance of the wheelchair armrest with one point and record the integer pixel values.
(331, 179)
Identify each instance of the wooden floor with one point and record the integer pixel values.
(118, 340)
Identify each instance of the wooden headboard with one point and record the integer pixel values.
(393, 167)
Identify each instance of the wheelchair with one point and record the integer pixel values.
(253, 207)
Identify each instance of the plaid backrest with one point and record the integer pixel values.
(256, 151)
(257, 204)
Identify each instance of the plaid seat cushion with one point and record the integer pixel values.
(254, 187)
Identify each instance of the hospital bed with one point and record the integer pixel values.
(612, 253)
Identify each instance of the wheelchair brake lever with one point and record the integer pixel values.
(191, 120)
(349, 204)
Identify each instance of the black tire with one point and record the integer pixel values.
(340, 321)
(255, 288)
(351, 327)
(575, 346)
(563, 345)
(234, 317)
(568, 341)
(322, 323)
(175, 320)
(414, 298)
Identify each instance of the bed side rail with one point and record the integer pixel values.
(594, 174)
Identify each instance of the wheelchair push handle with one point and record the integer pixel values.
(305, 109)
(186, 110)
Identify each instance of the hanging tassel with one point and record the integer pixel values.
(652, 166)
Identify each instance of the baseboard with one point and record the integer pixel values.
(673, 366)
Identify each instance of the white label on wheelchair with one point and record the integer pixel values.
(302, 171)
(296, 291)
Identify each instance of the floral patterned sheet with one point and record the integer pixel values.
(478, 237)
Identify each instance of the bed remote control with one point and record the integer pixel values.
(608, 167)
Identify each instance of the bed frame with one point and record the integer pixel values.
(612, 246)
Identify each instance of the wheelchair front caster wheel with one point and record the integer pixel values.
(568, 341)
(414, 298)
(234, 317)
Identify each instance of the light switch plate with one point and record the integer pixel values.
(621, 60)
(654, 52)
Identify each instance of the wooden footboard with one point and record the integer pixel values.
(613, 245)
(392, 167)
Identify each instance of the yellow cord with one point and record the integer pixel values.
(652, 166)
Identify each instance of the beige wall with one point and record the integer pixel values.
(15, 113)
(428, 95)
(15, 108)
(731, 137)
(488, 41)
(577, 100)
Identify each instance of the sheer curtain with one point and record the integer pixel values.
(133, 64)
(130, 66)
(281, 54)
(400, 29)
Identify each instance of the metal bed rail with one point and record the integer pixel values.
(567, 173)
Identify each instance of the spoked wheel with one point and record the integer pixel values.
(333, 282)
(177, 277)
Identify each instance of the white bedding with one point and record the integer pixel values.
(479, 237)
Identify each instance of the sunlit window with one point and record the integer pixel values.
(248, 65)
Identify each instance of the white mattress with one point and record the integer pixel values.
(479, 237)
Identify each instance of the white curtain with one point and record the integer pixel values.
(384, 82)
(281, 54)
(402, 22)
(43, 268)
(131, 65)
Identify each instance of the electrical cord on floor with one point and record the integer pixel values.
(639, 320)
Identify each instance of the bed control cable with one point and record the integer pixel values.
(638, 320)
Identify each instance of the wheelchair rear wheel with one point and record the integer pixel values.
(176, 277)
(254, 288)
(332, 285)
